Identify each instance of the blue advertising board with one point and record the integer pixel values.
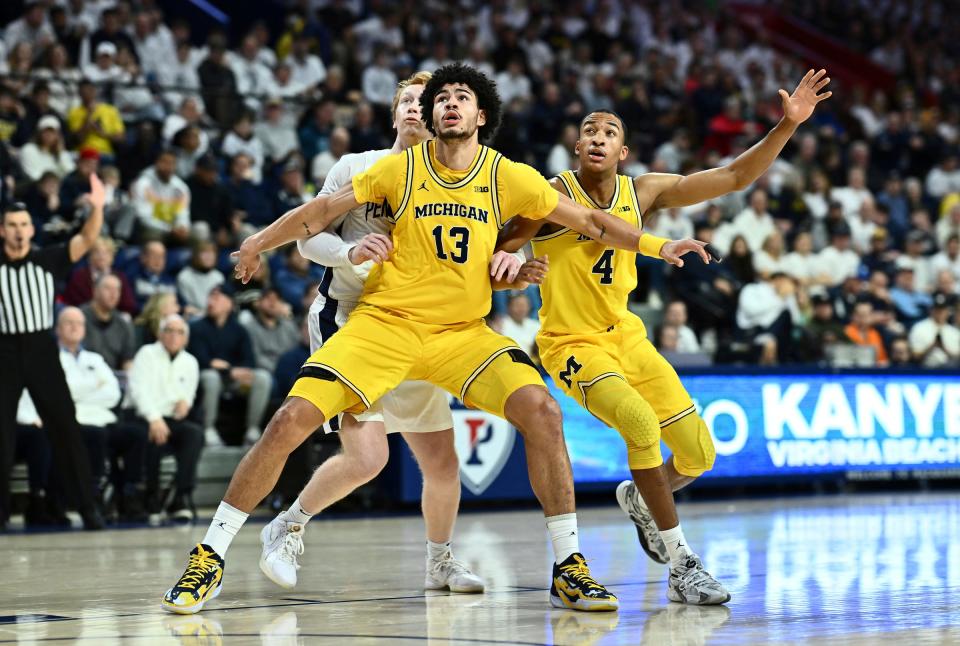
(764, 425)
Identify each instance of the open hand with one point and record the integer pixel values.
(504, 266)
(798, 107)
(673, 251)
(248, 260)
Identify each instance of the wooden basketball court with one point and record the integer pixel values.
(843, 570)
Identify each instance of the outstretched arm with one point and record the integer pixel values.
(81, 242)
(678, 190)
(301, 222)
(612, 231)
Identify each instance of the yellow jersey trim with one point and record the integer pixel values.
(590, 200)
(407, 186)
(469, 177)
(636, 202)
(496, 192)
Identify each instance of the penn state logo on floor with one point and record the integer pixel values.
(484, 443)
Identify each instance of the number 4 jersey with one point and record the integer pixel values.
(446, 226)
(588, 283)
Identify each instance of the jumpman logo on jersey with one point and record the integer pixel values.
(423, 186)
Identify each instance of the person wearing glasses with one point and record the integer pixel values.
(163, 386)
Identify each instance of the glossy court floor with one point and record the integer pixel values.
(844, 570)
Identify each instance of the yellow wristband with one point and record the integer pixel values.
(650, 245)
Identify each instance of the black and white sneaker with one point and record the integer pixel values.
(647, 532)
(690, 583)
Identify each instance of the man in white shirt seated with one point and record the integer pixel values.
(754, 223)
(766, 314)
(838, 260)
(96, 392)
(163, 386)
(933, 341)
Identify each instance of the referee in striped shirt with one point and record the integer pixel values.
(29, 357)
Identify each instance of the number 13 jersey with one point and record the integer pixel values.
(446, 226)
(588, 283)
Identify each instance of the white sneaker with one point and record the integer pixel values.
(690, 583)
(647, 532)
(447, 572)
(252, 436)
(282, 544)
(212, 438)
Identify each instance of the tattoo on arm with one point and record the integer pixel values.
(307, 228)
(603, 230)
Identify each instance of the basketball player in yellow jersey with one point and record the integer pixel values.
(599, 352)
(421, 317)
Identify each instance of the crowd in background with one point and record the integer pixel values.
(846, 251)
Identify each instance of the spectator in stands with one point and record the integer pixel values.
(211, 204)
(817, 197)
(95, 124)
(151, 276)
(96, 392)
(673, 223)
(293, 276)
(163, 387)
(54, 221)
(253, 77)
(910, 303)
(162, 202)
(675, 314)
(31, 28)
(861, 331)
(518, 325)
(277, 136)
(195, 281)
(900, 356)
(189, 113)
(741, 261)
(894, 200)
(158, 307)
(111, 31)
(948, 259)
(227, 364)
(219, 83)
(838, 259)
(316, 127)
(248, 197)
(77, 184)
(291, 193)
(271, 330)
(365, 133)
(945, 177)
(104, 69)
(934, 342)
(379, 82)
(823, 325)
(668, 340)
(770, 259)
(80, 289)
(188, 148)
(560, 156)
(46, 152)
(306, 70)
(755, 223)
(915, 257)
(766, 314)
(180, 72)
(323, 162)
(241, 140)
(109, 331)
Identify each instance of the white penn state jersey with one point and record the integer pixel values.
(347, 282)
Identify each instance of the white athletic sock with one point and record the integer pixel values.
(563, 534)
(296, 513)
(225, 524)
(436, 551)
(676, 545)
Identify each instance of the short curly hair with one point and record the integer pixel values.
(488, 99)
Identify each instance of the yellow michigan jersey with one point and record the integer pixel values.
(588, 283)
(446, 226)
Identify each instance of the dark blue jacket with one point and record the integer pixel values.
(230, 343)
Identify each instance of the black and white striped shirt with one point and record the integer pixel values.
(27, 289)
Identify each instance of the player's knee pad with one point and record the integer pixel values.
(693, 450)
(619, 405)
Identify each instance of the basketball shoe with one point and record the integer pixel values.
(573, 587)
(282, 543)
(200, 582)
(690, 583)
(647, 532)
(447, 572)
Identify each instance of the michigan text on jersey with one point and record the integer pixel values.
(451, 209)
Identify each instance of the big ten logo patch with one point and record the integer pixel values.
(484, 443)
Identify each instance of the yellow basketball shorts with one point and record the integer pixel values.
(377, 350)
(579, 362)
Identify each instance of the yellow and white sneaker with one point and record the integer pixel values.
(200, 583)
(573, 587)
